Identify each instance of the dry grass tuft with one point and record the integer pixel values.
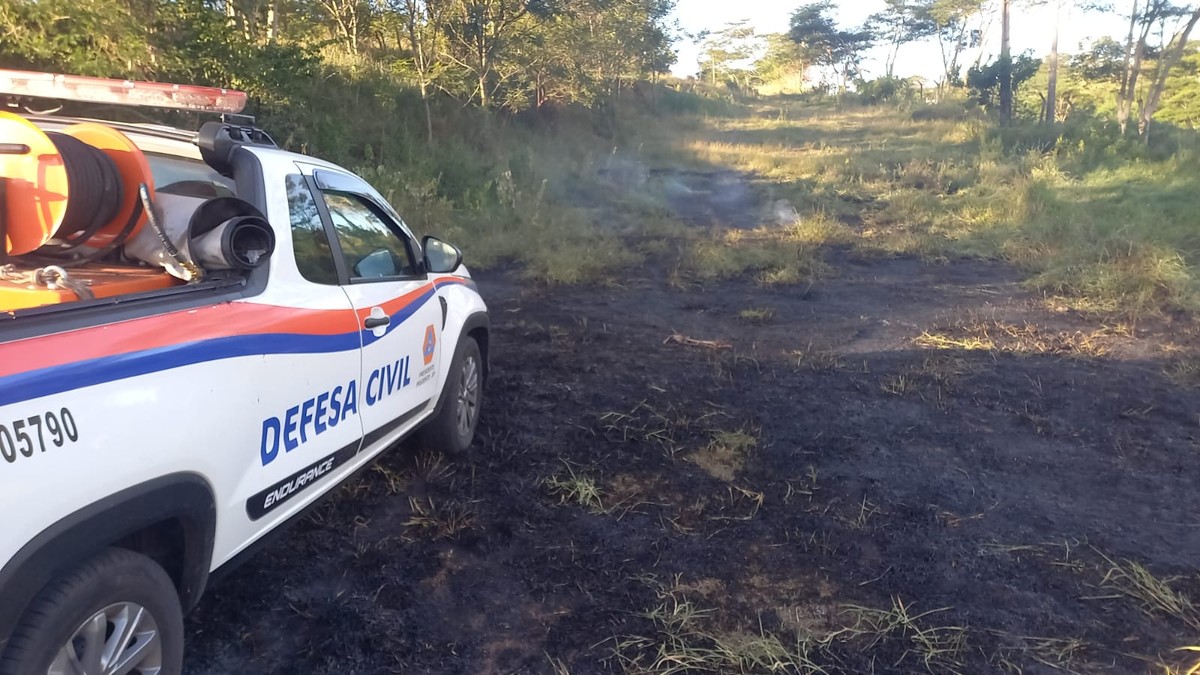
(758, 316)
(1183, 372)
(1025, 338)
(1057, 653)
(683, 642)
(666, 427)
(443, 521)
(571, 487)
(689, 639)
(899, 385)
(816, 359)
(726, 453)
(1154, 596)
(938, 648)
(1191, 666)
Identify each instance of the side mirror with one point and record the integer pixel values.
(376, 264)
(440, 257)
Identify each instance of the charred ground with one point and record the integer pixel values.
(899, 467)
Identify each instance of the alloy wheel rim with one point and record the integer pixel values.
(468, 396)
(121, 639)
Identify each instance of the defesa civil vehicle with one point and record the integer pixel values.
(200, 334)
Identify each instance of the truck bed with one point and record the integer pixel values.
(17, 291)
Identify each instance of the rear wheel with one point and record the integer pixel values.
(452, 431)
(116, 614)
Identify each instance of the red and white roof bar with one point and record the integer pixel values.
(120, 92)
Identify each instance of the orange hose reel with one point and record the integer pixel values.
(37, 189)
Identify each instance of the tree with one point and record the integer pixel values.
(1131, 67)
(736, 43)
(826, 45)
(478, 31)
(423, 25)
(95, 38)
(952, 19)
(1143, 18)
(1171, 55)
(348, 17)
(1050, 112)
(1006, 63)
(782, 61)
(510, 53)
(1060, 7)
(588, 51)
(900, 23)
(1101, 60)
(985, 81)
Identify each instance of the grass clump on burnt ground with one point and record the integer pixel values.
(899, 460)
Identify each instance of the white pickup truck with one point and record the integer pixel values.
(200, 335)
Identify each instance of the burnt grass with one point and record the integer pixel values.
(995, 487)
(984, 483)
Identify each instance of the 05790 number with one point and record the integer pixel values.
(24, 437)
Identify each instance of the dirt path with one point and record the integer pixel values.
(816, 468)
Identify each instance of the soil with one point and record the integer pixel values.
(776, 469)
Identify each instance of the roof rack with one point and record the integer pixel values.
(218, 140)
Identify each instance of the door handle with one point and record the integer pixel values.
(376, 321)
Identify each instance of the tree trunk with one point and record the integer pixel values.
(1006, 91)
(231, 14)
(1052, 88)
(1169, 58)
(1125, 95)
(485, 69)
(428, 112)
(945, 83)
(272, 22)
(892, 57)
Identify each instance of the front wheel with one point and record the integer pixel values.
(453, 429)
(117, 613)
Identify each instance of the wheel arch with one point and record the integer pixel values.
(477, 326)
(480, 331)
(171, 519)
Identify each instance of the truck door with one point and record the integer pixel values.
(301, 398)
(397, 305)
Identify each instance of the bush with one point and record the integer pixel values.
(952, 111)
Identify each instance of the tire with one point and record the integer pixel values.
(453, 429)
(118, 597)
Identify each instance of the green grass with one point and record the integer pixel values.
(1106, 224)
(575, 488)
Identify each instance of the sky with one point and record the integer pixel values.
(1031, 29)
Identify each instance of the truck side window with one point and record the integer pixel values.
(372, 248)
(310, 243)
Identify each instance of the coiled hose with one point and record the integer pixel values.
(95, 188)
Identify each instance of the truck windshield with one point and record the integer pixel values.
(179, 175)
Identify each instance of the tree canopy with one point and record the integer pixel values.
(827, 45)
(494, 53)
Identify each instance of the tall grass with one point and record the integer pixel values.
(1108, 223)
(551, 191)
